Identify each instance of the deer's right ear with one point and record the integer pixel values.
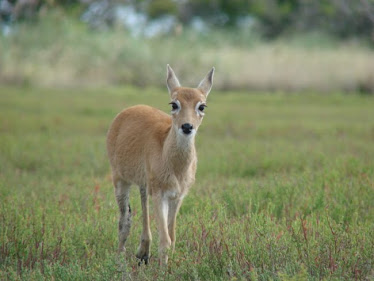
(171, 80)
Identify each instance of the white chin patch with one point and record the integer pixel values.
(185, 140)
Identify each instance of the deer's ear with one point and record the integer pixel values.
(171, 80)
(206, 84)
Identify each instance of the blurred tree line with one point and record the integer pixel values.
(341, 18)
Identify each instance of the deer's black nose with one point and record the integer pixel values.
(187, 128)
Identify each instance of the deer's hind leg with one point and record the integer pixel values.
(122, 192)
(143, 252)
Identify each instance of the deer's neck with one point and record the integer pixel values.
(179, 150)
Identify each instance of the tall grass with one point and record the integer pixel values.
(59, 51)
(284, 189)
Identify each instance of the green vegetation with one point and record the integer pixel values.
(272, 18)
(58, 51)
(284, 189)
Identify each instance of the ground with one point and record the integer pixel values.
(284, 188)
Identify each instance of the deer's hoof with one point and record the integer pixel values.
(144, 258)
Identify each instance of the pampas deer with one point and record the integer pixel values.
(156, 151)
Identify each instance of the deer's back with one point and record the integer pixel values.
(136, 134)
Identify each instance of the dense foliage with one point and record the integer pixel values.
(272, 18)
(342, 18)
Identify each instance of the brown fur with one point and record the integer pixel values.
(146, 147)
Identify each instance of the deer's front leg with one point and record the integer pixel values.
(174, 205)
(161, 206)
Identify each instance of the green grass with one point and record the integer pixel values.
(284, 188)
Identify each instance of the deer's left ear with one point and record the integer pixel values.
(206, 84)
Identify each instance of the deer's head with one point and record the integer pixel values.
(188, 104)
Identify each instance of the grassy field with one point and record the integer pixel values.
(284, 189)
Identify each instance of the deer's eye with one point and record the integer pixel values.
(174, 106)
(202, 107)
